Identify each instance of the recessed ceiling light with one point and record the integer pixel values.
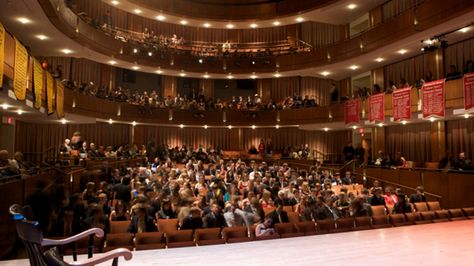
(276, 23)
(354, 127)
(115, 2)
(66, 51)
(325, 73)
(137, 11)
(432, 119)
(111, 121)
(135, 67)
(299, 19)
(253, 77)
(183, 22)
(19, 111)
(206, 76)
(277, 126)
(112, 62)
(205, 126)
(42, 37)
(181, 126)
(352, 6)
(230, 26)
(379, 59)
(253, 25)
(150, 54)
(182, 74)
(230, 77)
(253, 127)
(404, 122)
(5, 106)
(63, 121)
(354, 67)
(466, 116)
(207, 25)
(23, 20)
(230, 127)
(465, 29)
(380, 124)
(134, 123)
(402, 51)
(160, 17)
(200, 60)
(135, 50)
(277, 75)
(159, 71)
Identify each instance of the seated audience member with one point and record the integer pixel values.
(122, 190)
(418, 196)
(96, 218)
(390, 196)
(65, 225)
(120, 212)
(359, 208)
(377, 199)
(447, 162)
(66, 146)
(253, 150)
(469, 67)
(234, 216)
(141, 221)
(166, 211)
(462, 163)
(264, 228)
(214, 219)
(402, 206)
(348, 179)
(19, 163)
(7, 166)
(343, 204)
(327, 210)
(278, 215)
(193, 221)
(453, 73)
(93, 153)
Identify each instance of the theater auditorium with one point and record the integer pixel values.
(236, 132)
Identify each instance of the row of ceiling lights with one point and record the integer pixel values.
(161, 17)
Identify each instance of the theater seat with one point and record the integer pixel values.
(293, 217)
(167, 225)
(378, 210)
(380, 221)
(253, 236)
(117, 227)
(398, 219)
(433, 205)
(180, 238)
(441, 216)
(208, 236)
(468, 212)
(421, 206)
(306, 227)
(235, 234)
(150, 240)
(344, 224)
(325, 226)
(456, 215)
(363, 223)
(287, 230)
(122, 240)
(288, 208)
(412, 217)
(426, 217)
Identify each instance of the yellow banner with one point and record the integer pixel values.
(37, 82)
(2, 52)
(20, 71)
(59, 99)
(49, 92)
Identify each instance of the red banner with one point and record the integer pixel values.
(432, 96)
(401, 100)
(352, 111)
(377, 107)
(469, 91)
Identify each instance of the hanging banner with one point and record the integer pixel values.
(20, 71)
(2, 52)
(49, 92)
(377, 107)
(401, 100)
(37, 82)
(469, 91)
(352, 111)
(432, 98)
(59, 99)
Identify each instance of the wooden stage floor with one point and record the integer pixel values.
(450, 243)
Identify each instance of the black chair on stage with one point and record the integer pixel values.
(37, 246)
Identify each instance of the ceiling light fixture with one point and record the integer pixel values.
(276, 23)
(230, 26)
(135, 50)
(110, 121)
(137, 11)
(42, 37)
(465, 29)
(150, 54)
(159, 71)
(205, 126)
(354, 67)
(135, 67)
(23, 20)
(432, 119)
(326, 129)
(404, 122)
(19, 111)
(352, 6)
(230, 127)
(181, 126)
(325, 73)
(5, 106)
(253, 25)
(183, 22)
(134, 123)
(182, 74)
(466, 116)
(380, 124)
(299, 19)
(115, 2)
(63, 121)
(354, 127)
(230, 77)
(379, 59)
(402, 51)
(66, 51)
(277, 126)
(206, 76)
(160, 17)
(207, 25)
(253, 76)
(277, 75)
(253, 127)
(112, 62)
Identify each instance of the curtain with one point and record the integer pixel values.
(320, 34)
(317, 88)
(457, 54)
(393, 8)
(284, 87)
(410, 69)
(412, 140)
(460, 137)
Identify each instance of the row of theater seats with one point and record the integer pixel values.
(170, 236)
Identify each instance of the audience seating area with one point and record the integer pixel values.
(169, 236)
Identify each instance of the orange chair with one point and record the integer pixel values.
(398, 219)
(208, 236)
(150, 240)
(421, 206)
(441, 216)
(121, 240)
(167, 225)
(344, 225)
(293, 217)
(117, 227)
(363, 223)
(287, 230)
(288, 208)
(235, 234)
(456, 215)
(468, 212)
(306, 227)
(412, 217)
(180, 238)
(378, 210)
(380, 221)
(433, 205)
(325, 226)
(426, 217)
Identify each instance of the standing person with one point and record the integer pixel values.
(261, 147)
(348, 152)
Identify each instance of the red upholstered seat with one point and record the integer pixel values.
(236, 234)
(287, 230)
(306, 227)
(208, 236)
(456, 215)
(363, 223)
(181, 238)
(150, 240)
(380, 221)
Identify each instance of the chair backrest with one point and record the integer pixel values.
(235, 232)
(421, 206)
(207, 233)
(28, 231)
(378, 210)
(434, 205)
(293, 217)
(285, 228)
(167, 225)
(117, 227)
(288, 208)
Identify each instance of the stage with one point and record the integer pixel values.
(450, 243)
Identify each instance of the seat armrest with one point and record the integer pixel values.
(59, 242)
(99, 258)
